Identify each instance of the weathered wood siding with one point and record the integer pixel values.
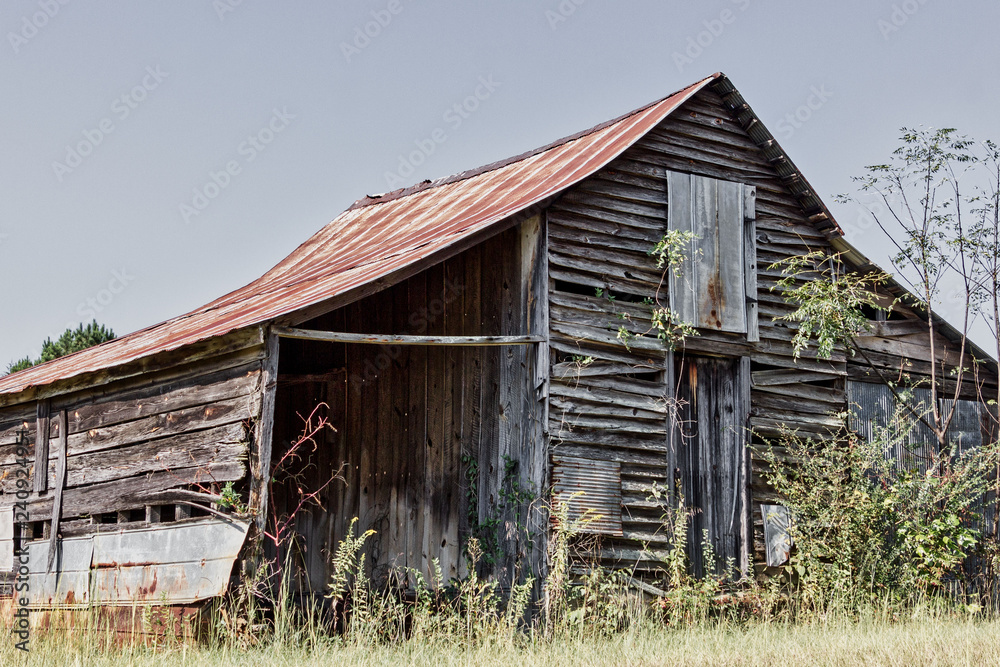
(130, 443)
(433, 439)
(609, 401)
(615, 407)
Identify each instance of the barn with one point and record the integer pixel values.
(459, 345)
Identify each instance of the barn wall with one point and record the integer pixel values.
(615, 407)
(610, 401)
(433, 439)
(136, 446)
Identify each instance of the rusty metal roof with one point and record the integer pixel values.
(374, 238)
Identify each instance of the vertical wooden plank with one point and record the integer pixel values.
(60, 482)
(433, 510)
(400, 425)
(489, 442)
(385, 439)
(745, 516)
(263, 433)
(750, 263)
(730, 232)
(153, 514)
(41, 480)
(672, 419)
(353, 432)
(455, 428)
(472, 396)
(706, 259)
(511, 413)
(417, 554)
(536, 282)
(368, 431)
(683, 288)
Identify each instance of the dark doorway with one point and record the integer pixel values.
(712, 461)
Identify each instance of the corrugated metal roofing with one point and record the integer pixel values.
(375, 237)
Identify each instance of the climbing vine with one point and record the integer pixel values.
(668, 326)
(512, 494)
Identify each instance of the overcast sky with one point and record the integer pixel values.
(156, 155)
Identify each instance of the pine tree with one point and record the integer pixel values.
(71, 340)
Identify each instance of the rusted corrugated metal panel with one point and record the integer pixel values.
(156, 564)
(374, 238)
(591, 492)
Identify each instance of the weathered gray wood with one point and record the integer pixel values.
(745, 518)
(166, 362)
(263, 431)
(379, 339)
(750, 268)
(133, 492)
(42, 447)
(782, 376)
(60, 484)
(161, 397)
(218, 444)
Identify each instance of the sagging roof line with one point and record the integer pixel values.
(369, 243)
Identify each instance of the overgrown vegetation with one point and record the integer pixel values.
(71, 340)
(873, 532)
(670, 252)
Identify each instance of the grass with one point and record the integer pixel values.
(920, 641)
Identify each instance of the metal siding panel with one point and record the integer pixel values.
(6, 539)
(69, 583)
(160, 564)
(591, 491)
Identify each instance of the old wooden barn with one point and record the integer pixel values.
(461, 337)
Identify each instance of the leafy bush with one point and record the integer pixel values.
(867, 532)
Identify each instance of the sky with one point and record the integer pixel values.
(156, 155)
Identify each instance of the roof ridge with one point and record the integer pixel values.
(428, 184)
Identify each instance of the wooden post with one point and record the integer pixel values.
(263, 433)
(63, 425)
(42, 446)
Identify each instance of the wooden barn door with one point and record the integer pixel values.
(711, 456)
